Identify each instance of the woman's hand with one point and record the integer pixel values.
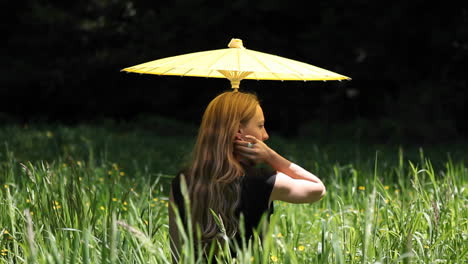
(252, 149)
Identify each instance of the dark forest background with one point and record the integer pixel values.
(61, 62)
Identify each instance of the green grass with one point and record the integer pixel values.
(98, 194)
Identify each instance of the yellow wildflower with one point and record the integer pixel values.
(109, 172)
(386, 187)
(252, 259)
(155, 199)
(102, 208)
(122, 173)
(124, 203)
(5, 186)
(49, 134)
(56, 205)
(79, 163)
(279, 235)
(300, 248)
(274, 258)
(362, 188)
(28, 201)
(115, 199)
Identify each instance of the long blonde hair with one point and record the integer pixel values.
(214, 176)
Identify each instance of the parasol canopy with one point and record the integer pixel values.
(236, 63)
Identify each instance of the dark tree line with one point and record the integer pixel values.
(408, 61)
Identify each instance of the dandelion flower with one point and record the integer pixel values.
(386, 187)
(122, 173)
(300, 248)
(28, 201)
(155, 199)
(115, 199)
(274, 258)
(124, 203)
(279, 235)
(102, 208)
(109, 172)
(252, 259)
(362, 188)
(5, 186)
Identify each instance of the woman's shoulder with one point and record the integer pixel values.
(258, 171)
(259, 174)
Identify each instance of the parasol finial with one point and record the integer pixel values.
(236, 43)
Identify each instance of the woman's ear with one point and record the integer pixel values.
(241, 129)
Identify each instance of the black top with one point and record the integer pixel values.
(256, 187)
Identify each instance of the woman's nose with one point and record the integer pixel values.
(265, 135)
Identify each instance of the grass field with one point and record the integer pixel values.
(98, 194)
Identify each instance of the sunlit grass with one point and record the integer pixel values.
(94, 195)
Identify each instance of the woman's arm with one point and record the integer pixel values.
(293, 183)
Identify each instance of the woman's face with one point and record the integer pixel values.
(255, 126)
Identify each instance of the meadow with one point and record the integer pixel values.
(98, 194)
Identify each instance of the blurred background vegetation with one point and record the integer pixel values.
(61, 63)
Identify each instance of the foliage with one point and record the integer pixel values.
(407, 60)
(98, 194)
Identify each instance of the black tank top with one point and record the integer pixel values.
(256, 187)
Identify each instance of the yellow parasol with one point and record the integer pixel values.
(236, 63)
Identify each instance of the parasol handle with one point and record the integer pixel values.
(235, 77)
(235, 84)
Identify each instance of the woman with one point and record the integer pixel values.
(223, 177)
